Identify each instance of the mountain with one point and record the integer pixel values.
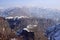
(32, 12)
(15, 12)
(1, 11)
(47, 13)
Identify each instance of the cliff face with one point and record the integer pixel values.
(4, 27)
(23, 22)
(41, 22)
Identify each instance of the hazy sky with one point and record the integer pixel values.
(55, 4)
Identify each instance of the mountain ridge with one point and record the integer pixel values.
(31, 12)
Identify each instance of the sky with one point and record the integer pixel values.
(54, 4)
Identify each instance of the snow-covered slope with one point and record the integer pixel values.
(34, 12)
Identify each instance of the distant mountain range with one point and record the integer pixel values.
(31, 12)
